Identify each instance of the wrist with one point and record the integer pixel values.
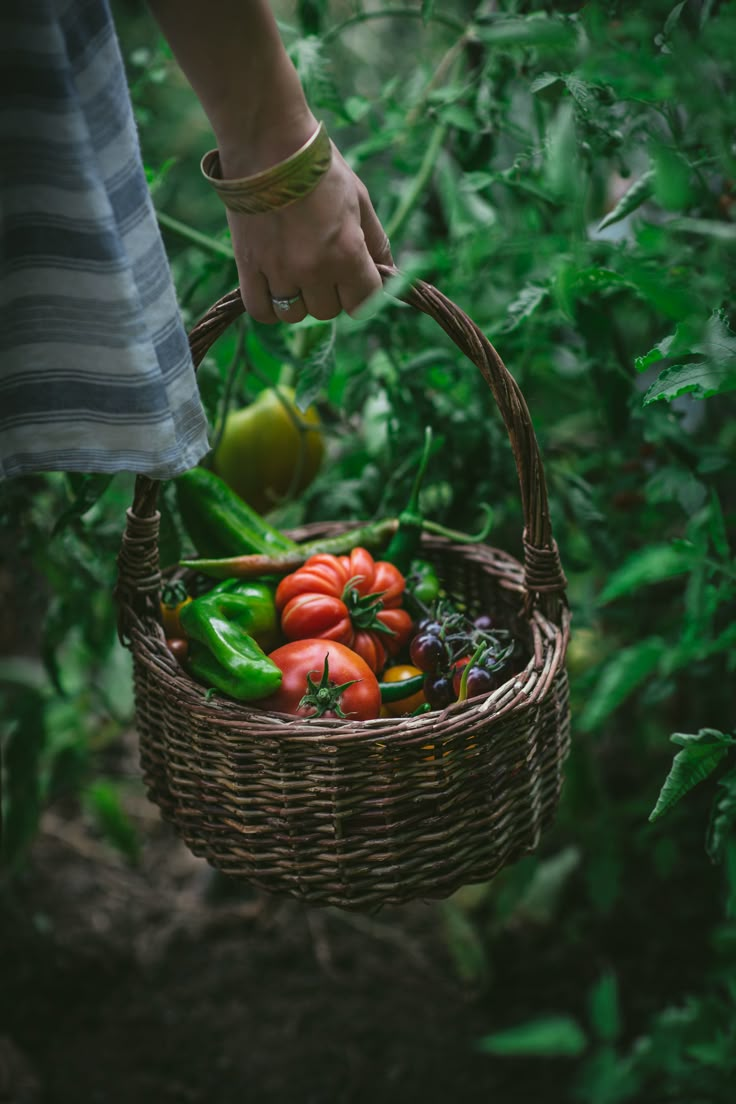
(280, 185)
(271, 128)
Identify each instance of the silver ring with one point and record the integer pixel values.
(283, 303)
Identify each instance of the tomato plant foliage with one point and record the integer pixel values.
(566, 174)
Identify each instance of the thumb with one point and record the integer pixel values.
(376, 241)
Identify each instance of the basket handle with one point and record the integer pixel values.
(544, 580)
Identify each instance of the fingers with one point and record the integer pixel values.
(361, 280)
(266, 305)
(322, 301)
(256, 295)
(289, 307)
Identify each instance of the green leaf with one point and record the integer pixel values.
(604, 1010)
(466, 211)
(639, 192)
(699, 757)
(659, 352)
(717, 527)
(709, 228)
(598, 279)
(543, 82)
(561, 169)
(427, 10)
(671, 180)
(523, 306)
(621, 676)
(315, 372)
(723, 817)
(460, 117)
(700, 379)
(550, 1036)
(86, 488)
(702, 736)
(533, 31)
(313, 66)
(714, 374)
(679, 343)
(103, 799)
(718, 341)
(464, 943)
(674, 483)
(674, 17)
(652, 564)
(581, 93)
(541, 898)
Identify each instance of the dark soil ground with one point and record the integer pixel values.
(165, 983)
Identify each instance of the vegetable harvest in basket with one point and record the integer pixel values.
(351, 626)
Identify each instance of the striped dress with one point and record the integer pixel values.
(95, 371)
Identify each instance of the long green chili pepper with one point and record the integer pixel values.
(397, 691)
(405, 542)
(372, 536)
(457, 535)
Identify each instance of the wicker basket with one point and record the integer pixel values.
(361, 814)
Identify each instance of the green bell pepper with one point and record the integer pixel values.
(222, 652)
(252, 605)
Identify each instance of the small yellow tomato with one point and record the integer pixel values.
(399, 673)
(174, 597)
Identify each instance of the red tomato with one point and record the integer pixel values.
(304, 660)
(352, 599)
(458, 669)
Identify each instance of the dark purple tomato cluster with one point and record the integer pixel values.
(446, 643)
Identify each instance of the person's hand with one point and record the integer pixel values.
(323, 248)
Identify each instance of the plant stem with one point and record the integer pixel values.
(444, 66)
(229, 384)
(406, 206)
(195, 236)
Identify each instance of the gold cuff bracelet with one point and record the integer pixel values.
(278, 186)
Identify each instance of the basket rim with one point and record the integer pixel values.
(516, 696)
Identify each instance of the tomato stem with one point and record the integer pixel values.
(475, 658)
(324, 696)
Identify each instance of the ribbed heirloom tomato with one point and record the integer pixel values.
(353, 599)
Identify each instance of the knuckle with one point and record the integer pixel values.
(324, 314)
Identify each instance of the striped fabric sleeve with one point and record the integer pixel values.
(95, 370)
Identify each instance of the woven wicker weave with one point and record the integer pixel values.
(361, 814)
